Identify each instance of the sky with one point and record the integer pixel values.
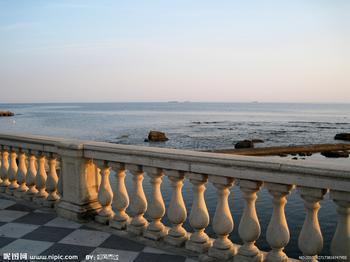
(184, 50)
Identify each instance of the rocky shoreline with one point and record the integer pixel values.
(327, 150)
(246, 147)
(6, 113)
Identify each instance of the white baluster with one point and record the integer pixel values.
(199, 217)
(21, 175)
(0, 163)
(30, 178)
(156, 207)
(176, 211)
(4, 170)
(138, 202)
(277, 234)
(340, 245)
(51, 183)
(249, 226)
(12, 173)
(310, 240)
(60, 177)
(120, 199)
(222, 248)
(105, 195)
(40, 180)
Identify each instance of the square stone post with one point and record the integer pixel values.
(79, 179)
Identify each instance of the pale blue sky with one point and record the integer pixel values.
(95, 51)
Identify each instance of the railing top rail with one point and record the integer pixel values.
(36, 142)
(312, 174)
(308, 174)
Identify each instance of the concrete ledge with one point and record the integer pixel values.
(77, 213)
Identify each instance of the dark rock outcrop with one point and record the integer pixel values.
(247, 143)
(156, 136)
(257, 140)
(283, 155)
(335, 154)
(244, 144)
(342, 136)
(6, 113)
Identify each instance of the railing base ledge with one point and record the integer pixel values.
(49, 203)
(136, 230)
(19, 194)
(120, 225)
(175, 241)
(10, 191)
(258, 258)
(221, 254)
(102, 219)
(39, 200)
(3, 189)
(154, 235)
(198, 247)
(78, 213)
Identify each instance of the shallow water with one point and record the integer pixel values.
(198, 126)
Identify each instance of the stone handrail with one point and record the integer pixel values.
(79, 188)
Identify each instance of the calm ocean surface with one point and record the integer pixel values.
(198, 126)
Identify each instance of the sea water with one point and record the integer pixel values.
(198, 126)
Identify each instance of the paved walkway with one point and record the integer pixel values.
(27, 231)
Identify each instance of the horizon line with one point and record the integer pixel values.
(175, 102)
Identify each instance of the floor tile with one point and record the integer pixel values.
(4, 203)
(84, 237)
(35, 218)
(16, 230)
(114, 255)
(155, 251)
(88, 228)
(146, 257)
(31, 247)
(5, 241)
(46, 234)
(61, 222)
(51, 234)
(44, 210)
(120, 243)
(20, 207)
(11, 215)
(72, 250)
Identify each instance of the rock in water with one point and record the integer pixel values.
(256, 140)
(283, 155)
(335, 154)
(244, 144)
(157, 136)
(342, 136)
(6, 113)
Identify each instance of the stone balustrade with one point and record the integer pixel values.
(74, 178)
